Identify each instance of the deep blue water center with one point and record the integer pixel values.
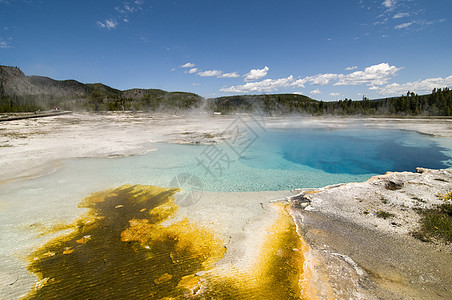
(355, 151)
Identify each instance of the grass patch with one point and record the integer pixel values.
(384, 214)
(437, 222)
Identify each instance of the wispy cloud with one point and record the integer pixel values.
(229, 75)
(420, 86)
(334, 94)
(187, 65)
(206, 73)
(389, 3)
(4, 44)
(321, 79)
(315, 92)
(401, 15)
(256, 74)
(403, 25)
(210, 73)
(192, 71)
(351, 68)
(123, 12)
(108, 24)
(388, 14)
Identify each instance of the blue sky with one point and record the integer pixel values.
(325, 49)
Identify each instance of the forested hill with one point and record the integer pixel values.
(279, 104)
(439, 103)
(21, 93)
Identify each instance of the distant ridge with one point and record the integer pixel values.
(21, 93)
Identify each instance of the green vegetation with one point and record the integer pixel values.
(436, 223)
(279, 104)
(384, 214)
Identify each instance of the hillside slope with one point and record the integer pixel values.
(19, 92)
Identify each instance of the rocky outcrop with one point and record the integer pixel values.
(362, 237)
(387, 202)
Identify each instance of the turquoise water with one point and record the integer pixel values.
(352, 151)
(269, 160)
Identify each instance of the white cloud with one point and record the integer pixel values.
(188, 65)
(299, 83)
(373, 75)
(210, 73)
(256, 74)
(229, 75)
(315, 92)
(4, 44)
(374, 88)
(401, 15)
(321, 79)
(108, 23)
(129, 7)
(335, 94)
(267, 85)
(420, 86)
(207, 73)
(123, 12)
(389, 3)
(391, 13)
(351, 68)
(404, 25)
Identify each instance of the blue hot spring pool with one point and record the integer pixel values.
(271, 159)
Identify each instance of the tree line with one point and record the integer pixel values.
(438, 103)
(102, 98)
